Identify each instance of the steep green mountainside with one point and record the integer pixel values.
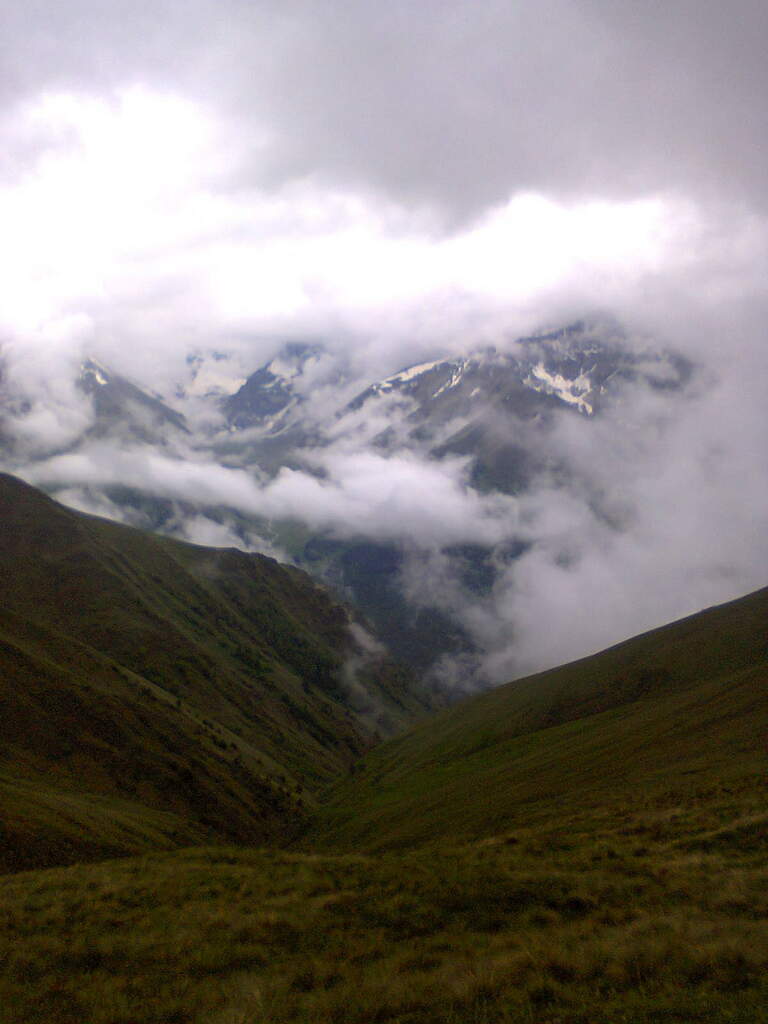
(585, 846)
(682, 708)
(158, 693)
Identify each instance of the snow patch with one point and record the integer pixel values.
(455, 379)
(94, 370)
(408, 374)
(570, 391)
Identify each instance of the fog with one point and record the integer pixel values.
(400, 183)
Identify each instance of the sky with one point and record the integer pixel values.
(402, 181)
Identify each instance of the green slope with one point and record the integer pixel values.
(154, 692)
(681, 708)
(645, 914)
(585, 846)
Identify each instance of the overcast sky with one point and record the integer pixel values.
(401, 179)
(213, 168)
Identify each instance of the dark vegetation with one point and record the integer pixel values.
(155, 693)
(642, 910)
(587, 845)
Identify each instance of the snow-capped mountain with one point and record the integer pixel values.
(124, 408)
(486, 420)
(496, 407)
(576, 366)
(269, 399)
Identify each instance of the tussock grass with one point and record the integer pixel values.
(611, 915)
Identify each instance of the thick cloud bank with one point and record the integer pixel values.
(444, 102)
(402, 183)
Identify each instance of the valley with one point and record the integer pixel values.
(383, 512)
(199, 821)
(159, 693)
(416, 498)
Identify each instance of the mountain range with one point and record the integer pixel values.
(467, 405)
(488, 418)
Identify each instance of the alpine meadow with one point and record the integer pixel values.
(383, 512)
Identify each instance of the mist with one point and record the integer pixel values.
(400, 185)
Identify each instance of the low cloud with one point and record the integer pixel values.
(672, 520)
(394, 497)
(401, 184)
(660, 511)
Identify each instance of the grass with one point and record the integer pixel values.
(633, 912)
(685, 706)
(586, 846)
(165, 693)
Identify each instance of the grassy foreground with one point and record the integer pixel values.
(632, 912)
(585, 846)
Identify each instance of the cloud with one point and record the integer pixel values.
(128, 219)
(404, 182)
(685, 491)
(361, 493)
(441, 104)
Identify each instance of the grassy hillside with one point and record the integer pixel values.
(681, 708)
(586, 846)
(157, 693)
(652, 910)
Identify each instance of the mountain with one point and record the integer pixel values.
(156, 693)
(496, 407)
(573, 365)
(490, 417)
(113, 408)
(577, 366)
(269, 396)
(585, 846)
(683, 708)
(123, 409)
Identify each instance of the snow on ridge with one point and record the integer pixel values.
(408, 374)
(459, 366)
(570, 391)
(94, 369)
(455, 379)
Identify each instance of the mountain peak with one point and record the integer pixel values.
(125, 408)
(267, 397)
(94, 374)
